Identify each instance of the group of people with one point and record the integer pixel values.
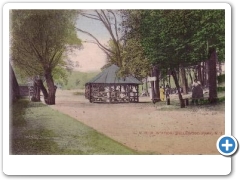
(164, 92)
(197, 91)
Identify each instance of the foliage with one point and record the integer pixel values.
(182, 37)
(111, 56)
(40, 43)
(42, 38)
(75, 76)
(173, 37)
(210, 32)
(134, 60)
(129, 55)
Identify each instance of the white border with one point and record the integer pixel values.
(114, 165)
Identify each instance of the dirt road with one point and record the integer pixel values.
(146, 127)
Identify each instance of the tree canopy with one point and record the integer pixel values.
(41, 39)
(173, 37)
(40, 42)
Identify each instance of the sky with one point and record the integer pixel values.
(91, 57)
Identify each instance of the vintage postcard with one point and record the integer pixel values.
(140, 86)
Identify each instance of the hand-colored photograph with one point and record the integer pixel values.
(116, 82)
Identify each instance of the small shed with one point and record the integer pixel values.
(108, 87)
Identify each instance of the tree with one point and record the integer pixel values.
(128, 55)
(174, 38)
(212, 75)
(134, 50)
(109, 19)
(134, 60)
(112, 58)
(40, 43)
(211, 38)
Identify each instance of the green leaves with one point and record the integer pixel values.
(42, 39)
(172, 37)
(134, 61)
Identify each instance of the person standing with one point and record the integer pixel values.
(162, 96)
(167, 91)
(197, 91)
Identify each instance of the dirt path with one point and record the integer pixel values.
(145, 128)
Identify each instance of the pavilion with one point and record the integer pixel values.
(108, 87)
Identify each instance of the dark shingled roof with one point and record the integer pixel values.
(109, 76)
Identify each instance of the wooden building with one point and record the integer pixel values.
(108, 87)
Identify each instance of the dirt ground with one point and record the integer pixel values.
(146, 127)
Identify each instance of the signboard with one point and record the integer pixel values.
(151, 79)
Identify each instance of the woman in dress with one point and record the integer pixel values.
(162, 96)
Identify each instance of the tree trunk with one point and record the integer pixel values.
(212, 75)
(182, 104)
(177, 76)
(43, 89)
(190, 75)
(195, 73)
(152, 88)
(51, 88)
(36, 92)
(14, 87)
(169, 80)
(156, 86)
(206, 74)
(203, 74)
(184, 80)
(199, 73)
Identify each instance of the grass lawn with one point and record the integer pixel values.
(36, 129)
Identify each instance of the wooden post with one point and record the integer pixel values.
(110, 94)
(147, 87)
(137, 93)
(128, 92)
(182, 104)
(114, 92)
(90, 93)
